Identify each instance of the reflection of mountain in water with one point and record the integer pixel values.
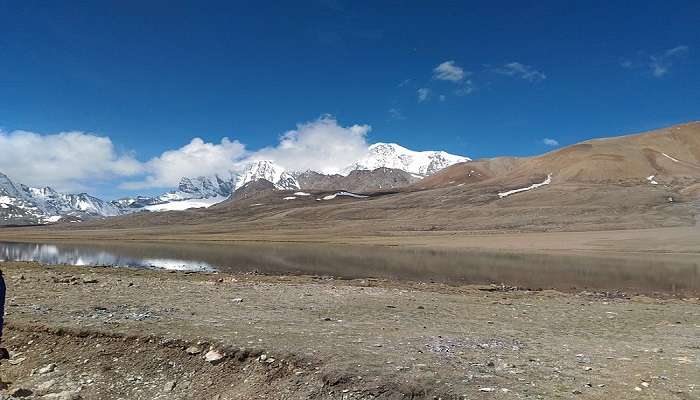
(640, 273)
(53, 254)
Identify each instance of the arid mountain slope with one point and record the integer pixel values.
(667, 154)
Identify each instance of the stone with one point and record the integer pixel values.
(193, 350)
(46, 369)
(487, 389)
(583, 359)
(169, 386)
(20, 392)
(17, 361)
(44, 387)
(213, 356)
(65, 395)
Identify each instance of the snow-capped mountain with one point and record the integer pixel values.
(205, 191)
(201, 187)
(21, 204)
(268, 170)
(392, 155)
(196, 192)
(55, 203)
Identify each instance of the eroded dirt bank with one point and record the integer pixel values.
(140, 334)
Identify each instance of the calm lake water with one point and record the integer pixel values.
(677, 274)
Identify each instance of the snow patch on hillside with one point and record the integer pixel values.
(333, 196)
(669, 157)
(533, 186)
(186, 204)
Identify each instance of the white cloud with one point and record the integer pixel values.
(65, 161)
(79, 161)
(522, 71)
(197, 158)
(550, 142)
(449, 71)
(660, 65)
(395, 113)
(467, 87)
(423, 94)
(321, 145)
(678, 50)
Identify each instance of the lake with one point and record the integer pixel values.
(666, 273)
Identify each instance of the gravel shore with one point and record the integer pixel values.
(98, 333)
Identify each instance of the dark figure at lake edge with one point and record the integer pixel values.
(3, 289)
(3, 352)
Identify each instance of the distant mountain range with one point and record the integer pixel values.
(385, 166)
(24, 205)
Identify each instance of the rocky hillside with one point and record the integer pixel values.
(357, 180)
(24, 205)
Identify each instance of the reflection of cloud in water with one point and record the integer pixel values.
(640, 273)
(178, 265)
(52, 254)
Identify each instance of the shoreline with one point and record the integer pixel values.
(369, 339)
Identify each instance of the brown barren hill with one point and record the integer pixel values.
(667, 153)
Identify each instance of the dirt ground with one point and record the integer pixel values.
(103, 333)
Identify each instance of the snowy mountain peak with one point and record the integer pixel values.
(268, 170)
(201, 187)
(392, 155)
(7, 187)
(21, 204)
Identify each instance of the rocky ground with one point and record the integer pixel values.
(101, 333)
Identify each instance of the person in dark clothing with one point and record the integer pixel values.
(2, 303)
(3, 351)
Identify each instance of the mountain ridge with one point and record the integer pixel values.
(372, 172)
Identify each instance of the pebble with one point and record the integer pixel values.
(213, 356)
(582, 359)
(193, 350)
(45, 386)
(46, 369)
(65, 395)
(17, 361)
(487, 389)
(169, 386)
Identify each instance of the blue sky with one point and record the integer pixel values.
(153, 75)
